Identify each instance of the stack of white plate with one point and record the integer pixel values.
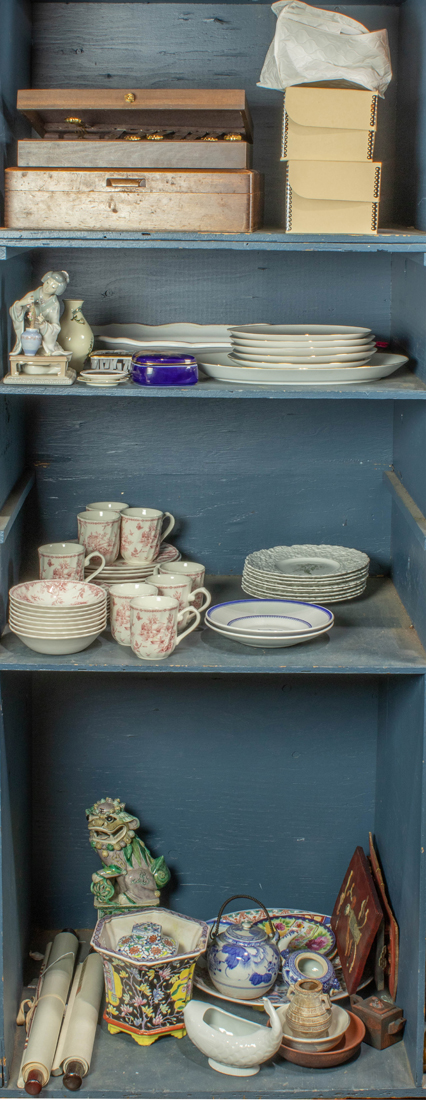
(330, 573)
(269, 624)
(180, 334)
(301, 346)
(122, 571)
(103, 379)
(57, 616)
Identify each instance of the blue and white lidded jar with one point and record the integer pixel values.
(243, 962)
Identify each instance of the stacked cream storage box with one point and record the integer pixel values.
(333, 183)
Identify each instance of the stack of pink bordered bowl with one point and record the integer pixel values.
(124, 572)
(57, 617)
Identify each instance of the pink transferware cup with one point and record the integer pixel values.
(179, 588)
(192, 569)
(100, 530)
(154, 624)
(120, 597)
(141, 533)
(65, 561)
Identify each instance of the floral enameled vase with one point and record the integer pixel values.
(243, 961)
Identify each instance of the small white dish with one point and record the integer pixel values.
(268, 641)
(315, 617)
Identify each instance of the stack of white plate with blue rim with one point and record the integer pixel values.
(305, 572)
(269, 624)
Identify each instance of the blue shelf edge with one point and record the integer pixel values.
(402, 386)
(372, 635)
(14, 241)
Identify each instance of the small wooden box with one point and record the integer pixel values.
(170, 201)
(384, 1022)
(139, 128)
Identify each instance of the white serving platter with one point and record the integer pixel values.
(222, 368)
(181, 334)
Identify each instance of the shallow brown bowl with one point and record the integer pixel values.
(346, 1049)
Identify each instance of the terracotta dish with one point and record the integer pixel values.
(347, 1048)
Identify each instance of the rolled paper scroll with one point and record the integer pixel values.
(74, 1051)
(48, 1013)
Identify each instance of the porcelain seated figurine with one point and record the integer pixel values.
(232, 1045)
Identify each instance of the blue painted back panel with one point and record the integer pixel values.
(15, 847)
(227, 287)
(400, 836)
(238, 477)
(192, 45)
(411, 118)
(179, 754)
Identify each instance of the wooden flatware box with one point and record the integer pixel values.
(171, 201)
(138, 128)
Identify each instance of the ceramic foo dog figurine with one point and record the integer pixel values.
(130, 877)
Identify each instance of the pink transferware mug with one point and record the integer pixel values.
(65, 561)
(179, 588)
(141, 533)
(192, 569)
(100, 530)
(120, 597)
(154, 624)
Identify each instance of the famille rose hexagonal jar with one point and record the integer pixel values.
(148, 973)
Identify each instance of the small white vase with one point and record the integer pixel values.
(75, 334)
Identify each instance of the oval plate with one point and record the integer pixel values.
(311, 930)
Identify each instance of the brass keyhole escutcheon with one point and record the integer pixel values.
(130, 97)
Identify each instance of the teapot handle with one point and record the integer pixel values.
(248, 897)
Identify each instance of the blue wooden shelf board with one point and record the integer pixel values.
(402, 386)
(177, 1069)
(391, 240)
(372, 635)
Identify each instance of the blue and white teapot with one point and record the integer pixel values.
(243, 962)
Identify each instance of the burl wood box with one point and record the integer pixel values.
(189, 201)
(136, 128)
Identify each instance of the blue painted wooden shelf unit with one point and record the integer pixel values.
(251, 770)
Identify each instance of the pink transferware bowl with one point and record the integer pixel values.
(57, 594)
